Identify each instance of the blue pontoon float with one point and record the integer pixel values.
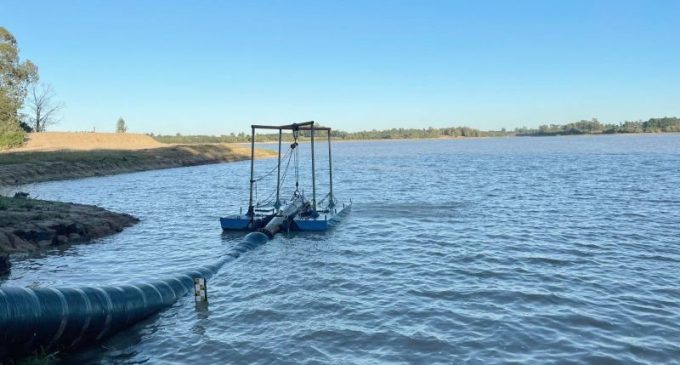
(297, 213)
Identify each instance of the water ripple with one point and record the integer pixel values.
(536, 250)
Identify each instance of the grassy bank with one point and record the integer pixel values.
(87, 141)
(11, 140)
(34, 166)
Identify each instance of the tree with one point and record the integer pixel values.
(15, 77)
(43, 109)
(120, 126)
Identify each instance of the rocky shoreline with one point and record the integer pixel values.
(29, 225)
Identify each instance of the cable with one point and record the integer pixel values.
(270, 198)
(270, 172)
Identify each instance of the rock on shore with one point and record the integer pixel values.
(30, 225)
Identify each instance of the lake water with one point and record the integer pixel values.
(525, 250)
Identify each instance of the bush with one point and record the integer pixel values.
(27, 128)
(11, 139)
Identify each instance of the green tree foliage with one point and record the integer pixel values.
(15, 77)
(593, 126)
(665, 124)
(120, 126)
(394, 133)
(8, 114)
(654, 125)
(12, 139)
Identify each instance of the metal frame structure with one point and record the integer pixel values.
(297, 215)
(295, 128)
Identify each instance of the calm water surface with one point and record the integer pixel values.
(526, 250)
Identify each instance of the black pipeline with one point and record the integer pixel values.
(48, 319)
(283, 218)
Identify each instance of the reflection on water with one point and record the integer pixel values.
(485, 250)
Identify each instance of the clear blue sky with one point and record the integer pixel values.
(217, 66)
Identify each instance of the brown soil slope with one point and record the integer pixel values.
(53, 141)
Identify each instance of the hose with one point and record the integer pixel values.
(49, 319)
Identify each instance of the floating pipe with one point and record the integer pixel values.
(49, 319)
(283, 219)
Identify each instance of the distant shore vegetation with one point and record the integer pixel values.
(654, 125)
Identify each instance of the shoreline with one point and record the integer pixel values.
(23, 167)
(28, 225)
(446, 138)
(488, 137)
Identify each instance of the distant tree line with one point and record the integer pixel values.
(654, 125)
(415, 133)
(394, 133)
(189, 139)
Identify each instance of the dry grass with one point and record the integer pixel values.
(54, 141)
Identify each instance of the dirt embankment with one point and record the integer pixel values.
(22, 167)
(83, 141)
(29, 225)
